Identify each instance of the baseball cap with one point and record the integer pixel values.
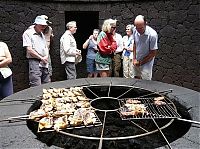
(40, 20)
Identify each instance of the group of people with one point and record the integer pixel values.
(136, 50)
(106, 49)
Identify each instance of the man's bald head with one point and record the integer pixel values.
(139, 19)
(140, 24)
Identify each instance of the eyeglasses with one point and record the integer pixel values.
(127, 29)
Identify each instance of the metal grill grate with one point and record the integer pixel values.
(97, 123)
(151, 110)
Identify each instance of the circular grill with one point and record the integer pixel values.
(115, 132)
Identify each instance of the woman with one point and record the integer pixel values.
(107, 46)
(91, 46)
(6, 85)
(127, 54)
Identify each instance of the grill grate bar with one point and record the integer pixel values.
(152, 110)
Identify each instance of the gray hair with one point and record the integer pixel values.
(131, 26)
(97, 30)
(71, 24)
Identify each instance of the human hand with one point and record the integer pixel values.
(2, 58)
(44, 59)
(136, 62)
(78, 52)
(91, 36)
(95, 48)
(128, 49)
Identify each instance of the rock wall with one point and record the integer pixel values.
(177, 24)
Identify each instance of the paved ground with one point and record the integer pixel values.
(17, 135)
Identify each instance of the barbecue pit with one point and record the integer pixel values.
(115, 135)
(109, 104)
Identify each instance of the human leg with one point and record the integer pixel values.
(90, 67)
(137, 72)
(116, 64)
(70, 70)
(45, 78)
(104, 69)
(50, 68)
(104, 73)
(126, 67)
(6, 87)
(34, 73)
(146, 74)
(130, 65)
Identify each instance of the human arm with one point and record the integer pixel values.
(7, 59)
(152, 51)
(146, 59)
(119, 41)
(68, 44)
(130, 46)
(34, 54)
(28, 43)
(85, 45)
(106, 43)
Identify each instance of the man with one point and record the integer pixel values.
(145, 48)
(117, 59)
(68, 50)
(48, 33)
(37, 52)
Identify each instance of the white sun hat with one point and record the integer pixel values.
(40, 20)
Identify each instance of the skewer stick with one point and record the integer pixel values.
(139, 126)
(190, 121)
(109, 89)
(162, 133)
(101, 139)
(19, 117)
(22, 117)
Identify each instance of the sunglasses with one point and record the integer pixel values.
(113, 27)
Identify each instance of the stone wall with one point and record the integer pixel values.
(177, 24)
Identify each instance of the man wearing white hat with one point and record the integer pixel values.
(37, 52)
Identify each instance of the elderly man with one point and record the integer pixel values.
(68, 50)
(145, 48)
(37, 52)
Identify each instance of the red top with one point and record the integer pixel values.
(107, 45)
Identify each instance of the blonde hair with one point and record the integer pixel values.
(106, 27)
(71, 24)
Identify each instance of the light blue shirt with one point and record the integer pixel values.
(91, 52)
(145, 43)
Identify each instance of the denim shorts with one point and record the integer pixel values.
(91, 65)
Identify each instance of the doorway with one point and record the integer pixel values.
(86, 22)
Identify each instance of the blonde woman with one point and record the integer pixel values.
(107, 46)
(127, 54)
(6, 85)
